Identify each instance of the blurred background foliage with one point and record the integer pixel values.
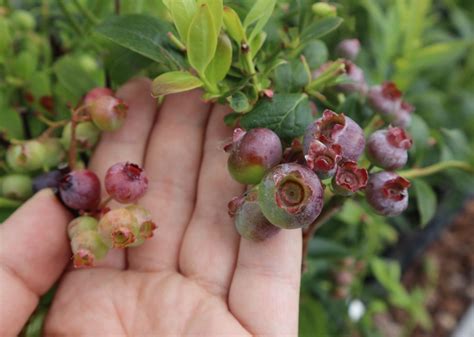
(425, 46)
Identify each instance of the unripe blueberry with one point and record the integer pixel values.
(145, 223)
(249, 220)
(108, 113)
(87, 247)
(126, 182)
(387, 193)
(26, 157)
(80, 190)
(17, 186)
(54, 154)
(357, 80)
(323, 9)
(322, 158)
(87, 136)
(387, 100)
(349, 178)
(81, 224)
(119, 228)
(388, 148)
(290, 196)
(337, 129)
(253, 153)
(95, 93)
(49, 179)
(348, 49)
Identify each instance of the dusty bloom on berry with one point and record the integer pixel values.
(126, 182)
(349, 178)
(387, 99)
(290, 196)
(387, 193)
(249, 220)
(322, 158)
(388, 148)
(356, 80)
(253, 153)
(348, 49)
(336, 129)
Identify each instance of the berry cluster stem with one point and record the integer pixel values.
(435, 168)
(332, 207)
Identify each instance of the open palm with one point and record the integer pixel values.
(195, 277)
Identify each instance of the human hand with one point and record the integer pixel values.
(194, 277)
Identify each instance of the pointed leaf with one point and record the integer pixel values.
(426, 201)
(142, 34)
(202, 39)
(217, 10)
(321, 27)
(257, 43)
(182, 12)
(262, 21)
(260, 9)
(233, 25)
(286, 114)
(174, 82)
(220, 64)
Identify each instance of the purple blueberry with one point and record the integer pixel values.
(348, 49)
(387, 193)
(253, 153)
(249, 219)
(388, 148)
(337, 129)
(290, 196)
(349, 178)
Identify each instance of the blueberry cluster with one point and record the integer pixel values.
(288, 185)
(40, 163)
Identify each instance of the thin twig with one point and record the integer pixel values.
(117, 7)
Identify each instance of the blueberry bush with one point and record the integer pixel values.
(345, 114)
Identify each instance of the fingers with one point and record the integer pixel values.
(264, 294)
(211, 242)
(126, 144)
(172, 164)
(33, 253)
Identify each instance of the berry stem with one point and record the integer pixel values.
(331, 208)
(435, 168)
(176, 42)
(105, 202)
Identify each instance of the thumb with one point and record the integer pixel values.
(33, 253)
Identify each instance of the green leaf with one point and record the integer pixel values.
(5, 39)
(316, 53)
(182, 12)
(142, 34)
(425, 199)
(8, 203)
(75, 78)
(258, 10)
(286, 114)
(257, 43)
(173, 82)
(24, 65)
(321, 27)
(239, 102)
(202, 40)
(291, 77)
(122, 64)
(259, 14)
(220, 64)
(216, 8)
(233, 25)
(324, 248)
(10, 122)
(313, 319)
